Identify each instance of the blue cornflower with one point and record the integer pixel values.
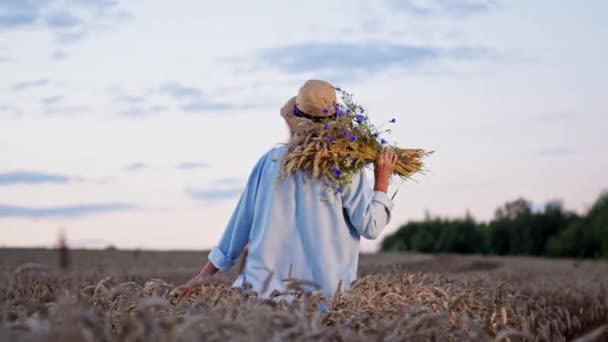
(330, 140)
(360, 118)
(326, 126)
(295, 110)
(376, 135)
(382, 141)
(393, 120)
(336, 171)
(325, 111)
(353, 138)
(344, 133)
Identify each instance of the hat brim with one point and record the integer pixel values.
(287, 109)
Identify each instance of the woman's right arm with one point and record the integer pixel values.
(369, 211)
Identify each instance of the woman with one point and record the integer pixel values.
(290, 231)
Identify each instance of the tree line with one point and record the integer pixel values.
(516, 229)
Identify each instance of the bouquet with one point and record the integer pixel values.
(340, 146)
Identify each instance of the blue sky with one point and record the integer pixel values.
(136, 123)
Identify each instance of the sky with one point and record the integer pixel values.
(136, 123)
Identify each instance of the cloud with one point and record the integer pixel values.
(59, 55)
(68, 21)
(368, 57)
(17, 13)
(214, 194)
(193, 99)
(142, 111)
(63, 20)
(129, 99)
(191, 166)
(456, 9)
(128, 105)
(53, 99)
(135, 166)
(73, 211)
(179, 91)
(10, 109)
(67, 110)
(30, 177)
(555, 151)
(16, 20)
(19, 86)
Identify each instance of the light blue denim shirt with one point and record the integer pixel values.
(290, 226)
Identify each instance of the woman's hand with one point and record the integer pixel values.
(385, 165)
(188, 288)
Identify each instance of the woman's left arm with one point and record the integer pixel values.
(235, 237)
(236, 234)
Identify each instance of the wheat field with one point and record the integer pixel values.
(129, 296)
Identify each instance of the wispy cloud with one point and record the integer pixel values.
(67, 21)
(67, 110)
(129, 99)
(193, 99)
(59, 55)
(12, 110)
(53, 99)
(16, 20)
(135, 166)
(191, 165)
(63, 20)
(142, 110)
(214, 194)
(72, 211)
(368, 57)
(180, 91)
(31, 177)
(456, 9)
(19, 86)
(555, 151)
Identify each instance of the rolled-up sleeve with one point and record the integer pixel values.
(368, 211)
(236, 235)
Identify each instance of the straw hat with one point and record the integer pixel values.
(315, 100)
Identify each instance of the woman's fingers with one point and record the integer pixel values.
(185, 293)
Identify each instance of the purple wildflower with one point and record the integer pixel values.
(382, 141)
(393, 120)
(295, 110)
(353, 138)
(326, 126)
(360, 118)
(344, 133)
(336, 171)
(376, 135)
(325, 111)
(330, 140)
